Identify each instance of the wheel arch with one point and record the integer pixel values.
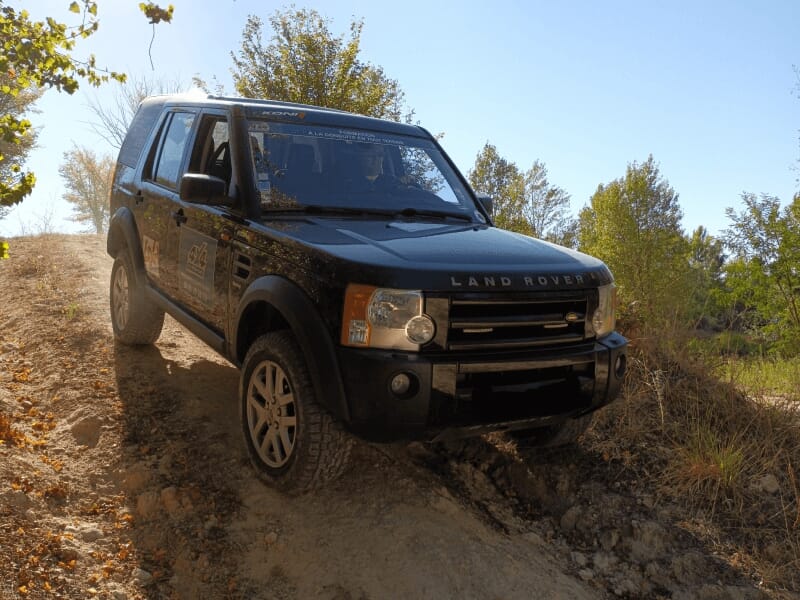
(272, 303)
(123, 234)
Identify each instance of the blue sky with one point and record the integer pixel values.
(707, 88)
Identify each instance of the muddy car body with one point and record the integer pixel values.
(345, 265)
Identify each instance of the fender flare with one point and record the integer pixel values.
(122, 233)
(309, 330)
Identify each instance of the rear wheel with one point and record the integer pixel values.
(562, 434)
(294, 444)
(135, 319)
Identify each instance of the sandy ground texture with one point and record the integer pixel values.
(123, 475)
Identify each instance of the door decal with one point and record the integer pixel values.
(150, 252)
(197, 258)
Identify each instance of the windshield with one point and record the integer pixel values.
(313, 167)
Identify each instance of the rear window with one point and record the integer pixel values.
(139, 130)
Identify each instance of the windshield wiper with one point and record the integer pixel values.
(321, 209)
(318, 209)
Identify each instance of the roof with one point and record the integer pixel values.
(289, 112)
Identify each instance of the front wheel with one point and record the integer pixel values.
(134, 319)
(293, 443)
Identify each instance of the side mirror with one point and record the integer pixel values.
(487, 203)
(203, 189)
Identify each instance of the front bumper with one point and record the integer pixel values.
(458, 396)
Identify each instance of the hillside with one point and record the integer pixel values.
(122, 475)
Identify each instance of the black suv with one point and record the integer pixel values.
(345, 265)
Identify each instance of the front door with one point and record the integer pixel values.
(204, 233)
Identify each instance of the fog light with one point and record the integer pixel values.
(400, 384)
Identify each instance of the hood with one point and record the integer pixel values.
(442, 256)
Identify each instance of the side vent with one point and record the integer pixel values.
(241, 268)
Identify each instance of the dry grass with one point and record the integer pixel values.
(730, 459)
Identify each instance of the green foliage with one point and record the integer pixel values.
(633, 224)
(305, 63)
(500, 179)
(155, 14)
(706, 261)
(523, 202)
(87, 184)
(38, 54)
(758, 376)
(763, 281)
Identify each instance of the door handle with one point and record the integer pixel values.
(179, 217)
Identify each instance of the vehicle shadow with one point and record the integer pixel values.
(180, 441)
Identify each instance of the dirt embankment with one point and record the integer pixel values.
(122, 475)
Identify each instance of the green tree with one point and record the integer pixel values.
(14, 154)
(706, 262)
(546, 208)
(501, 179)
(765, 275)
(39, 54)
(634, 225)
(304, 62)
(87, 184)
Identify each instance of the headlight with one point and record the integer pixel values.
(605, 317)
(385, 318)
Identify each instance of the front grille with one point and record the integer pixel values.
(512, 321)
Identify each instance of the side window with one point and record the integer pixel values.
(212, 154)
(167, 166)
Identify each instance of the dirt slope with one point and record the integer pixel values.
(122, 475)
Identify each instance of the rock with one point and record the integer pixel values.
(119, 595)
(87, 431)
(579, 559)
(609, 539)
(656, 574)
(165, 466)
(570, 518)
(586, 574)
(170, 500)
(745, 593)
(271, 538)
(86, 532)
(604, 561)
(649, 542)
(136, 478)
(690, 568)
(769, 484)
(16, 498)
(147, 504)
(527, 487)
(626, 588)
(142, 577)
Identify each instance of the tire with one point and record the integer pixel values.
(294, 444)
(563, 434)
(136, 320)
